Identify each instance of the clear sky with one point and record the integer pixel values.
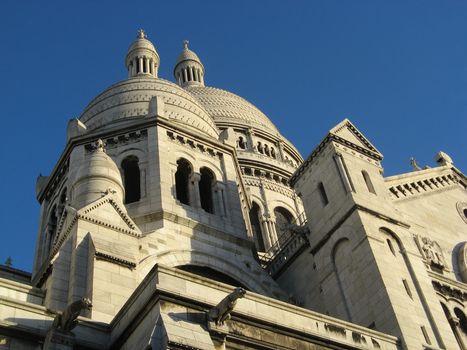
(396, 69)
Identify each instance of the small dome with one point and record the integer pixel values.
(97, 175)
(187, 55)
(142, 57)
(188, 70)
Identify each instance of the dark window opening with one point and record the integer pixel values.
(391, 247)
(256, 227)
(323, 195)
(425, 335)
(283, 219)
(368, 182)
(260, 148)
(465, 212)
(131, 179)
(51, 227)
(462, 320)
(273, 152)
(138, 68)
(206, 183)
(241, 143)
(182, 181)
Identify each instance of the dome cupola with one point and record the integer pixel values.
(98, 174)
(142, 58)
(189, 71)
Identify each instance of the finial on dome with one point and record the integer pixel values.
(188, 71)
(141, 34)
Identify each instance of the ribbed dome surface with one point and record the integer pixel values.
(187, 54)
(130, 99)
(226, 107)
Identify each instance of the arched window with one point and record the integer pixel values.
(131, 179)
(260, 148)
(462, 320)
(368, 182)
(256, 227)
(182, 181)
(241, 143)
(273, 152)
(62, 202)
(283, 218)
(206, 184)
(323, 195)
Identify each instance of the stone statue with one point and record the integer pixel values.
(221, 312)
(67, 320)
(432, 253)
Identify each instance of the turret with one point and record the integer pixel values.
(188, 69)
(142, 58)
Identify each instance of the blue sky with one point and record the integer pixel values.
(397, 69)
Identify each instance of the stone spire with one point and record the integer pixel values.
(188, 69)
(142, 58)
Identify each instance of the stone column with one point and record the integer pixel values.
(280, 147)
(251, 140)
(344, 175)
(185, 75)
(195, 199)
(265, 231)
(219, 191)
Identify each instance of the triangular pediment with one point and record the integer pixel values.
(107, 211)
(347, 132)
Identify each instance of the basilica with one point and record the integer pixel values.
(179, 217)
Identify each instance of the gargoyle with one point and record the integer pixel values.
(221, 312)
(67, 320)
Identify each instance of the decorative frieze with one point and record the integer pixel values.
(194, 145)
(119, 140)
(449, 291)
(407, 189)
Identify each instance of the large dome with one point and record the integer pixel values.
(130, 99)
(227, 108)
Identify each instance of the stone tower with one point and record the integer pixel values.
(364, 265)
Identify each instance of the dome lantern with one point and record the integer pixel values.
(189, 71)
(142, 58)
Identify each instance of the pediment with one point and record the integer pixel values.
(347, 132)
(108, 212)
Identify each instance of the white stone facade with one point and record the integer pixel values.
(169, 194)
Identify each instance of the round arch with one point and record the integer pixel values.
(188, 257)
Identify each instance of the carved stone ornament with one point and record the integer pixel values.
(431, 252)
(221, 312)
(67, 320)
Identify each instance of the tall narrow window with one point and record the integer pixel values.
(182, 181)
(368, 182)
(256, 227)
(323, 195)
(51, 227)
(131, 179)
(206, 184)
